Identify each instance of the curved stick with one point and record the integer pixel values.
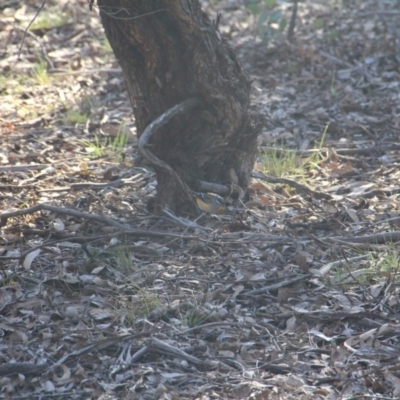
(159, 122)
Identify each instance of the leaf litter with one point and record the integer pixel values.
(294, 294)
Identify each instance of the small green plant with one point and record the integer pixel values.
(271, 21)
(368, 267)
(348, 271)
(197, 316)
(390, 261)
(279, 162)
(132, 300)
(87, 104)
(122, 260)
(39, 72)
(121, 139)
(27, 112)
(286, 163)
(105, 45)
(12, 83)
(314, 159)
(75, 117)
(139, 305)
(330, 36)
(116, 146)
(47, 20)
(96, 148)
(319, 23)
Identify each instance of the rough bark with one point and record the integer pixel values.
(170, 51)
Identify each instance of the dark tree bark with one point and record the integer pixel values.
(170, 51)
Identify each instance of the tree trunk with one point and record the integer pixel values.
(170, 51)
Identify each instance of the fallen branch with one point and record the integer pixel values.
(22, 368)
(302, 188)
(340, 152)
(164, 348)
(379, 238)
(278, 285)
(100, 345)
(24, 167)
(85, 186)
(63, 211)
(380, 192)
(158, 123)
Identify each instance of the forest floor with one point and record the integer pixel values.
(293, 295)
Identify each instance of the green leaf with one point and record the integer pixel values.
(254, 8)
(319, 23)
(282, 24)
(270, 3)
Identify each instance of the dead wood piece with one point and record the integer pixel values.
(37, 167)
(60, 210)
(5, 187)
(86, 71)
(160, 346)
(223, 190)
(25, 167)
(277, 368)
(241, 237)
(339, 152)
(158, 123)
(278, 285)
(302, 188)
(87, 185)
(336, 60)
(369, 150)
(22, 368)
(84, 186)
(378, 238)
(139, 354)
(125, 359)
(130, 232)
(283, 152)
(100, 345)
(339, 263)
(380, 192)
(183, 221)
(206, 326)
(337, 315)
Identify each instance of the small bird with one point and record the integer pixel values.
(209, 202)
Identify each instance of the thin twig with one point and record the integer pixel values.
(290, 182)
(188, 224)
(86, 71)
(292, 23)
(379, 238)
(158, 123)
(61, 210)
(206, 326)
(26, 30)
(340, 152)
(162, 347)
(278, 285)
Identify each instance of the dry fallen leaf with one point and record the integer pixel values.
(30, 257)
